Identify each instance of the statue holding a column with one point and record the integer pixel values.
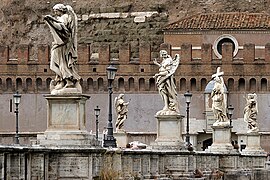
(165, 83)
(219, 100)
(250, 112)
(63, 27)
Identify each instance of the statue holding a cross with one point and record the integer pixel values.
(219, 100)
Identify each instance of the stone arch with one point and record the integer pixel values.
(152, 84)
(48, 81)
(29, 84)
(19, 84)
(141, 84)
(252, 85)
(9, 84)
(39, 84)
(90, 84)
(100, 84)
(183, 84)
(203, 84)
(131, 86)
(263, 84)
(230, 84)
(225, 38)
(241, 84)
(121, 84)
(193, 84)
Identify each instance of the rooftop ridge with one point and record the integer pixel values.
(227, 20)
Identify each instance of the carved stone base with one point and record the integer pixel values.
(221, 140)
(66, 122)
(66, 138)
(169, 134)
(253, 145)
(121, 138)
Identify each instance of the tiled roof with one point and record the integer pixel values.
(222, 21)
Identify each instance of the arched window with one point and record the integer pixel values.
(264, 84)
(121, 84)
(39, 84)
(90, 84)
(1, 84)
(131, 86)
(203, 84)
(18, 84)
(183, 84)
(152, 84)
(252, 84)
(231, 84)
(9, 84)
(100, 84)
(241, 84)
(193, 84)
(82, 84)
(48, 81)
(29, 84)
(141, 84)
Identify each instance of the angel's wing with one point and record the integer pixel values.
(175, 64)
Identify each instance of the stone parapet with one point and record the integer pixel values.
(90, 163)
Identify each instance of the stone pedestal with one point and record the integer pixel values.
(169, 132)
(66, 122)
(221, 140)
(121, 138)
(253, 145)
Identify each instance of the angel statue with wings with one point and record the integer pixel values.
(63, 27)
(250, 112)
(121, 111)
(165, 83)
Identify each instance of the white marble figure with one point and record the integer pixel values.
(121, 108)
(165, 83)
(250, 113)
(219, 101)
(63, 61)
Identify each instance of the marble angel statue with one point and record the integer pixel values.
(121, 108)
(63, 27)
(250, 112)
(165, 83)
(219, 100)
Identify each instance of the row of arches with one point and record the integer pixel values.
(132, 84)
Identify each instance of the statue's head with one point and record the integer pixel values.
(59, 8)
(121, 95)
(163, 53)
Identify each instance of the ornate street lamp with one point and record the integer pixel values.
(17, 100)
(109, 140)
(230, 112)
(97, 113)
(188, 96)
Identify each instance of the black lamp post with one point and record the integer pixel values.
(97, 112)
(230, 112)
(17, 100)
(188, 96)
(109, 140)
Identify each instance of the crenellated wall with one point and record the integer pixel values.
(27, 69)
